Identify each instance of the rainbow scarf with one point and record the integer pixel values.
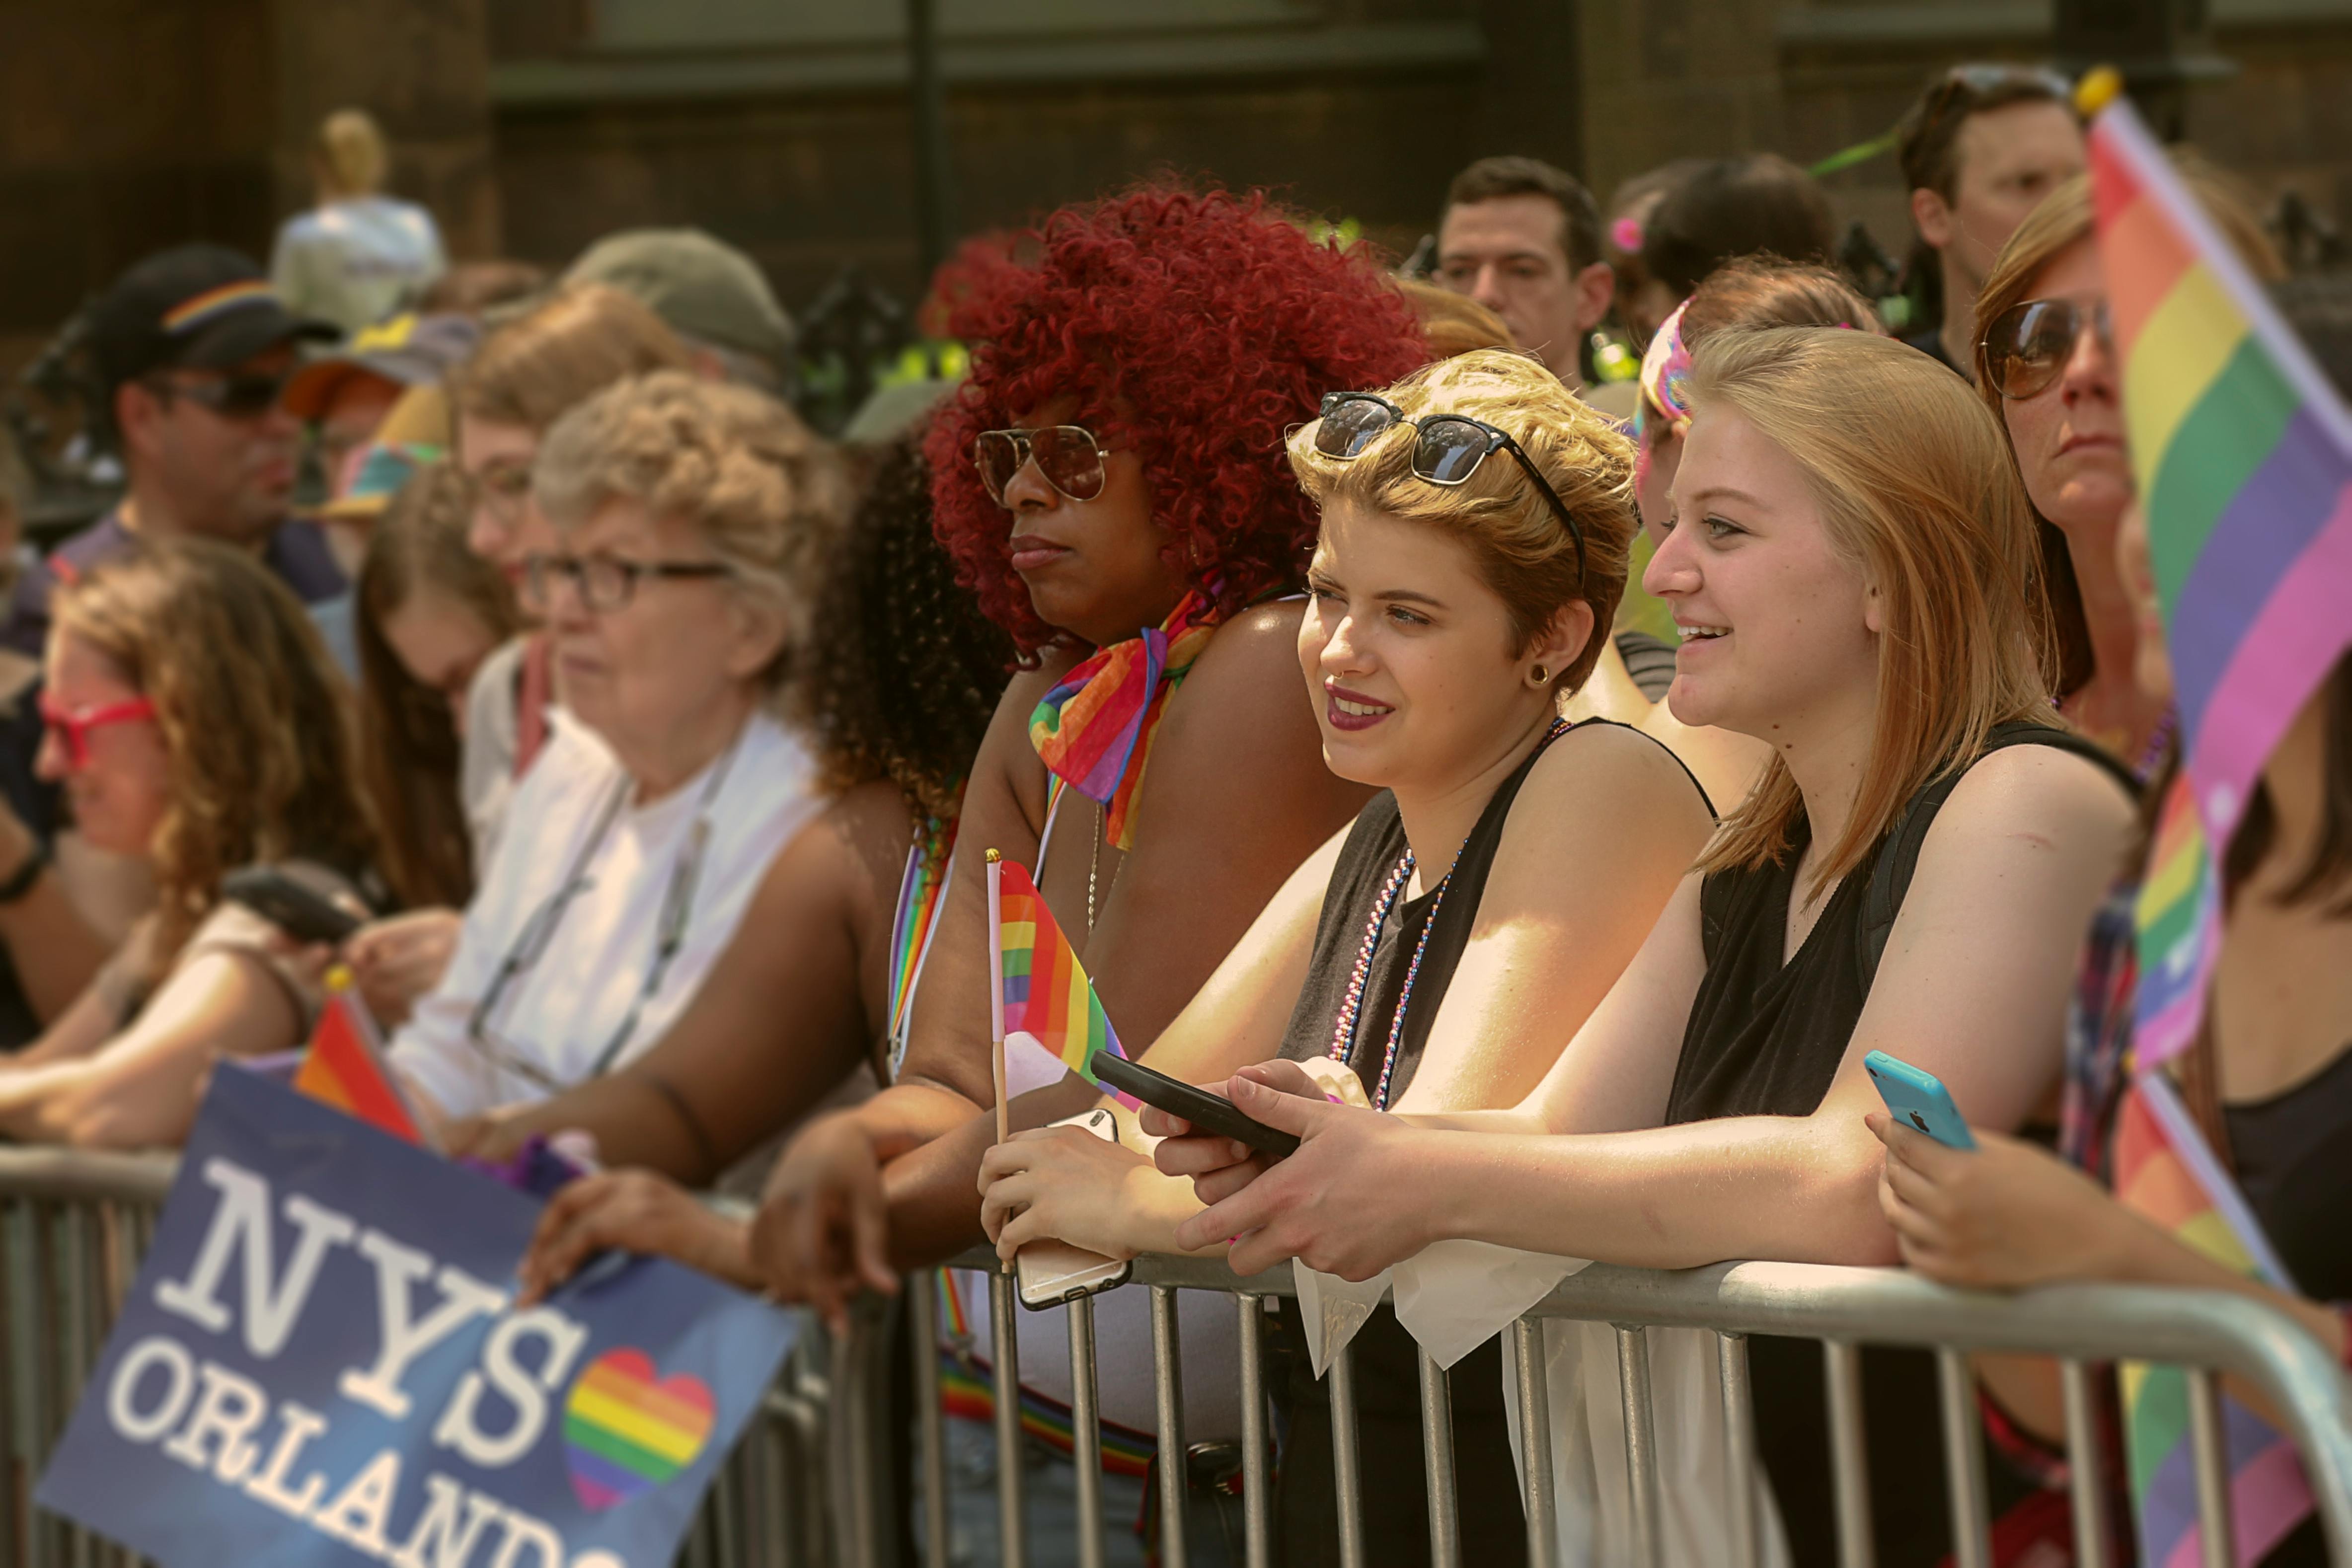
(921, 891)
(2242, 453)
(2165, 1171)
(1094, 729)
(1044, 994)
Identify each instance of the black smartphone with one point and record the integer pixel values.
(1198, 1106)
(293, 899)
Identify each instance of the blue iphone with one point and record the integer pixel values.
(1918, 1096)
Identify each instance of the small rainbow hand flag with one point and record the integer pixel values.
(2165, 1171)
(1047, 1015)
(2243, 452)
(345, 1066)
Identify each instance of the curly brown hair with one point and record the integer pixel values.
(252, 712)
(914, 669)
(409, 749)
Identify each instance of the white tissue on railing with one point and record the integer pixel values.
(1332, 1310)
(1456, 1295)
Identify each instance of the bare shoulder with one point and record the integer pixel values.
(1254, 655)
(1607, 777)
(2031, 788)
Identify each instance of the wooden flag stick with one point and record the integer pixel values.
(996, 994)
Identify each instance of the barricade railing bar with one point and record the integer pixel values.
(815, 1479)
(2209, 1333)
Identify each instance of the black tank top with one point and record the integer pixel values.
(1373, 847)
(1765, 1038)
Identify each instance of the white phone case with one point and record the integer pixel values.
(1048, 1273)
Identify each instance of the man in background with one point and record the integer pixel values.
(1979, 150)
(192, 350)
(1523, 239)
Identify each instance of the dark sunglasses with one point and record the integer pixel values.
(1068, 455)
(2028, 345)
(231, 397)
(1447, 450)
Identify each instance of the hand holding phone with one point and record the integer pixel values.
(1916, 1096)
(1050, 1273)
(1211, 1112)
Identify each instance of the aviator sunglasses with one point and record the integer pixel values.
(239, 397)
(1068, 455)
(2028, 345)
(1447, 451)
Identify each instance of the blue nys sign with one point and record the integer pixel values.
(322, 1364)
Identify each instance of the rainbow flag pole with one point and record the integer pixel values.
(2242, 454)
(996, 994)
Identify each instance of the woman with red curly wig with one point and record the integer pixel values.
(1111, 483)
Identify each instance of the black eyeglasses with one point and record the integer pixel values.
(1068, 455)
(605, 582)
(2028, 345)
(1447, 451)
(231, 397)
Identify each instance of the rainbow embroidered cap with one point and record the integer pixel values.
(203, 305)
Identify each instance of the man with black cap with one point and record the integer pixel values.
(192, 349)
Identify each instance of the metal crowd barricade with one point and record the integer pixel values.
(2211, 1334)
(73, 1229)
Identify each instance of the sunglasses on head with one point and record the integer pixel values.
(1446, 450)
(72, 725)
(2028, 345)
(1068, 455)
(1966, 86)
(231, 397)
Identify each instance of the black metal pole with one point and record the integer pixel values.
(934, 184)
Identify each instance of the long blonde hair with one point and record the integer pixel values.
(1914, 485)
(251, 710)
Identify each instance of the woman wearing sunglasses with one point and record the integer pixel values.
(2047, 369)
(1851, 565)
(1475, 521)
(196, 725)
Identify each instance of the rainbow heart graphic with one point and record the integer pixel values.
(626, 1431)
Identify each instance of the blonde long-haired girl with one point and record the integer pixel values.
(1848, 560)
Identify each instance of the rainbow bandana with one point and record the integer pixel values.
(1095, 730)
(1664, 407)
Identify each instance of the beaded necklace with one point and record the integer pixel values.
(1352, 1007)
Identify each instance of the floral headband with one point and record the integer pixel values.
(1664, 407)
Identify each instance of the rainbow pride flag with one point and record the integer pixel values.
(346, 1067)
(1047, 1010)
(922, 890)
(2243, 452)
(2165, 1171)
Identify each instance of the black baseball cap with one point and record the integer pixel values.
(203, 305)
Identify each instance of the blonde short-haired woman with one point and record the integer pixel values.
(1850, 559)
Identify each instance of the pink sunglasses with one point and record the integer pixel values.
(72, 725)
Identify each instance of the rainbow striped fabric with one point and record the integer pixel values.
(968, 1392)
(1043, 991)
(1095, 726)
(2164, 1170)
(346, 1067)
(921, 894)
(2243, 452)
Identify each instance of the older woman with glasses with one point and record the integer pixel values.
(2047, 369)
(683, 518)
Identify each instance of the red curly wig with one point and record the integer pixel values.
(1194, 328)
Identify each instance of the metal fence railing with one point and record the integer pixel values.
(2208, 1333)
(73, 1228)
(827, 1476)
